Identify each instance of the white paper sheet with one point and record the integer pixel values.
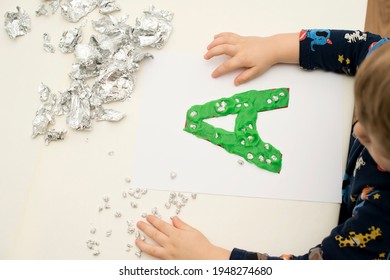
(308, 132)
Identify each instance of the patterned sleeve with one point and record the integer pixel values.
(339, 51)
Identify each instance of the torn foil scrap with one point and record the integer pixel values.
(42, 11)
(78, 115)
(47, 46)
(53, 135)
(110, 25)
(69, 40)
(108, 115)
(108, 6)
(114, 84)
(74, 10)
(54, 5)
(43, 117)
(153, 28)
(44, 92)
(88, 62)
(17, 24)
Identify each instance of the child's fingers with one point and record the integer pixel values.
(152, 250)
(226, 67)
(160, 225)
(178, 223)
(227, 49)
(247, 75)
(152, 232)
(224, 38)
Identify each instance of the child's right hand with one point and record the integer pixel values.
(255, 54)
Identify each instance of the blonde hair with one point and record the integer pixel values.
(372, 95)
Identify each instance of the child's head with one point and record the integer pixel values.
(372, 104)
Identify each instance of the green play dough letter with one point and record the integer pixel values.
(245, 140)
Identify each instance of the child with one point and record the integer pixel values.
(364, 223)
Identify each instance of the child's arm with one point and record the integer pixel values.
(255, 54)
(331, 50)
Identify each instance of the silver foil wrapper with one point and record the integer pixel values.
(88, 62)
(42, 11)
(108, 6)
(47, 46)
(78, 109)
(54, 5)
(45, 115)
(153, 28)
(53, 135)
(44, 92)
(108, 115)
(114, 84)
(17, 24)
(69, 40)
(74, 10)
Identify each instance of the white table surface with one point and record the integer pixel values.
(49, 195)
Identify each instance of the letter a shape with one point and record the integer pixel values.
(245, 140)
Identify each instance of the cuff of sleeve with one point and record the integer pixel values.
(304, 48)
(238, 254)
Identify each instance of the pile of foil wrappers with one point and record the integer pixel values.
(108, 62)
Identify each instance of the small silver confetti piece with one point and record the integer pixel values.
(249, 156)
(144, 215)
(100, 208)
(107, 206)
(193, 195)
(177, 211)
(111, 153)
(240, 162)
(124, 194)
(93, 230)
(106, 199)
(168, 205)
(261, 158)
(144, 191)
(137, 195)
(133, 204)
(96, 253)
(154, 211)
(108, 233)
(138, 253)
(127, 180)
(137, 234)
(118, 214)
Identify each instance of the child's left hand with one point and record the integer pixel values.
(177, 241)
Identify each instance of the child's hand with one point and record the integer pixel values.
(255, 54)
(177, 241)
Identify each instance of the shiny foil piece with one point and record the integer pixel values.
(53, 135)
(17, 24)
(153, 28)
(108, 6)
(69, 40)
(78, 109)
(47, 46)
(54, 5)
(88, 62)
(42, 11)
(74, 10)
(45, 115)
(44, 92)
